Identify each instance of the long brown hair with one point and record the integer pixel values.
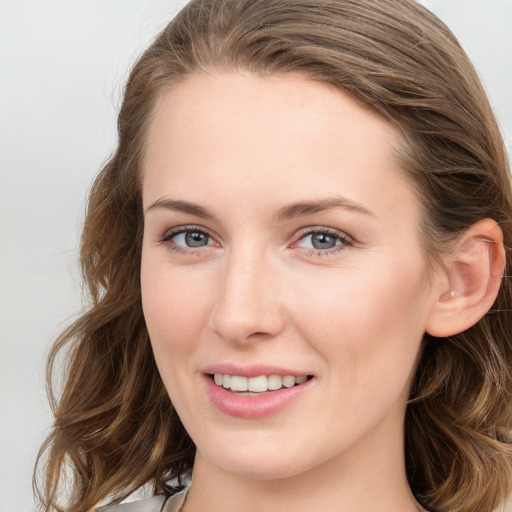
(115, 428)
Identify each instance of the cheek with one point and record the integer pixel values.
(367, 323)
(175, 310)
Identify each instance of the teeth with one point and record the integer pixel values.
(259, 384)
(238, 383)
(275, 382)
(288, 381)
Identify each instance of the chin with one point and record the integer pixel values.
(255, 458)
(262, 468)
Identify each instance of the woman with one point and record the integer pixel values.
(295, 260)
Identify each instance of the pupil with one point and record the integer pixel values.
(195, 239)
(323, 241)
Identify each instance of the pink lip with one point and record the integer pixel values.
(253, 370)
(252, 407)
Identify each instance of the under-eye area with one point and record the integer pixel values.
(259, 384)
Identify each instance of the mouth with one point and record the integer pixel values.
(259, 392)
(259, 385)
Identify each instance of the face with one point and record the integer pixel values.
(283, 281)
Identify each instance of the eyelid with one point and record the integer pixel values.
(347, 241)
(322, 229)
(166, 238)
(169, 233)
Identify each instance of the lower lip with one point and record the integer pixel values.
(251, 407)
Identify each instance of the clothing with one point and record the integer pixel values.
(158, 503)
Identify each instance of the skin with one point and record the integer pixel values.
(243, 148)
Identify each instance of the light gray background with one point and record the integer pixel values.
(62, 66)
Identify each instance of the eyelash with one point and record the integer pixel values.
(169, 235)
(345, 240)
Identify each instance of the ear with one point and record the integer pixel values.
(470, 282)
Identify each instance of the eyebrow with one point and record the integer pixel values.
(180, 206)
(311, 207)
(300, 209)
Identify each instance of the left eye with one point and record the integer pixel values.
(321, 240)
(191, 238)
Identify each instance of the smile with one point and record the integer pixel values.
(257, 396)
(259, 384)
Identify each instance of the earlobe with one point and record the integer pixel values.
(473, 273)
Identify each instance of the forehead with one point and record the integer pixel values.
(291, 107)
(239, 136)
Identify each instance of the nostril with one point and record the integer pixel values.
(258, 334)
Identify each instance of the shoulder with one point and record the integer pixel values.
(158, 503)
(153, 504)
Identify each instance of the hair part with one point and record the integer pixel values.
(115, 425)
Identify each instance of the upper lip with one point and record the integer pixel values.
(253, 370)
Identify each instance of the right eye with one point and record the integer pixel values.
(191, 239)
(187, 238)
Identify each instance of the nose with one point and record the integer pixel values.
(247, 306)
